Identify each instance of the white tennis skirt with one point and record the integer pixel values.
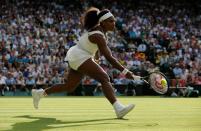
(76, 57)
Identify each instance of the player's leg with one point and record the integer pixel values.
(96, 72)
(73, 79)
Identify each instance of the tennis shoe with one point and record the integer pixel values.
(125, 110)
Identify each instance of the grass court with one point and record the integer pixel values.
(96, 114)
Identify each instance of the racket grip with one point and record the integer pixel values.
(145, 81)
(135, 77)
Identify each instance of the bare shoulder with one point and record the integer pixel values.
(96, 38)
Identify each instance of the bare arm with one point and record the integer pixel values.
(105, 50)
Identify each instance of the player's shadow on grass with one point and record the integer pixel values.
(41, 123)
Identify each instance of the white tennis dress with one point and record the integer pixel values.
(82, 51)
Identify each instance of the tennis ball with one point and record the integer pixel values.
(163, 82)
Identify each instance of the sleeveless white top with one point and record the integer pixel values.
(82, 51)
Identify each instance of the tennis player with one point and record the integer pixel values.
(82, 62)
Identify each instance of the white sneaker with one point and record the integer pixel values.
(125, 110)
(37, 95)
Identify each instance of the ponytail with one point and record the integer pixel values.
(91, 18)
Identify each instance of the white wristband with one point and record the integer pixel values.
(125, 71)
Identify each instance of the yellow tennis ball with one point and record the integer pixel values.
(163, 82)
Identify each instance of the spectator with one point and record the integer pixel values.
(178, 72)
(32, 36)
(30, 82)
(21, 83)
(2, 84)
(11, 82)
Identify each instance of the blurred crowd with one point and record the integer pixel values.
(35, 36)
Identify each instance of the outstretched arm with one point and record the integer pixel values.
(106, 52)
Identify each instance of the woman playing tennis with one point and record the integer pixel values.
(81, 60)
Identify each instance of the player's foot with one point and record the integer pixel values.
(37, 95)
(125, 110)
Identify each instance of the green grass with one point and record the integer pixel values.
(96, 114)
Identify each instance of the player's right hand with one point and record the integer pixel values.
(130, 75)
(135, 77)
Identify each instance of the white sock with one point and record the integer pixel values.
(118, 106)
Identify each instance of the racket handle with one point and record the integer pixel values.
(136, 77)
(145, 81)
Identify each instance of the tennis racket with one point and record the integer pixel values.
(157, 81)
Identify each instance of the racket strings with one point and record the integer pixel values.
(155, 81)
